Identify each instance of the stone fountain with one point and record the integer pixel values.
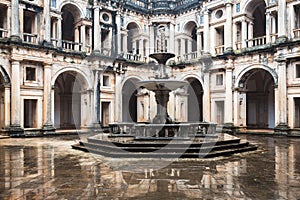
(163, 138)
(162, 86)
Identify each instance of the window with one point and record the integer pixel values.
(219, 14)
(53, 3)
(219, 79)
(30, 74)
(88, 13)
(201, 19)
(297, 70)
(237, 8)
(105, 80)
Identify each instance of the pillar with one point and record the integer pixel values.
(77, 39)
(141, 47)
(47, 21)
(124, 42)
(282, 21)
(118, 36)
(82, 37)
(206, 97)
(182, 50)
(7, 107)
(152, 40)
(234, 36)
(171, 45)
(228, 92)
(199, 45)
(250, 34)
(97, 30)
(244, 33)
(268, 27)
(292, 24)
(59, 32)
(206, 31)
(15, 127)
(228, 26)
(281, 98)
(48, 127)
(15, 25)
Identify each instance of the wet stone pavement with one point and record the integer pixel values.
(47, 168)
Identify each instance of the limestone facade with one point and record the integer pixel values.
(74, 64)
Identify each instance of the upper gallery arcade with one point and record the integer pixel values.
(240, 56)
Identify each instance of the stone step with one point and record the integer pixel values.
(119, 153)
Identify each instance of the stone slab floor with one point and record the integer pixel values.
(47, 168)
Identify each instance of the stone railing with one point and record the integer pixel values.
(219, 49)
(132, 56)
(70, 45)
(296, 33)
(30, 38)
(256, 41)
(273, 37)
(3, 33)
(238, 45)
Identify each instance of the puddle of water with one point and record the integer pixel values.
(47, 168)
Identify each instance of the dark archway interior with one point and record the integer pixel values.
(129, 101)
(67, 101)
(132, 29)
(260, 103)
(195, 100)
(70, 16)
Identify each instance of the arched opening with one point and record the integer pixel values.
(129, 101)
(195, 100)
(67, 100)
(132, 31)
(70, 15)
(260, 104)
(191, 29)
(4, 98)
(257, 10)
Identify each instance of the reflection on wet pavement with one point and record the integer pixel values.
(47, 168)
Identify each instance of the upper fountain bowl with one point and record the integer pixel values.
(162, 57)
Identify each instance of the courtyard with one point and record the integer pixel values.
(48, 168)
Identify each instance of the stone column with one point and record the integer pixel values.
(15, 127)
(228, 93)
(236, 103)
(199, 45)
(15, 24)
(21, 22)
(292, 24)
(206, 31)
(250, 34)
(206, 97)
(282, 21)
(228, 27)
(268, 27)
(172, 38)
(244, 33)
(118, 36)
(234, 36)
(281, 99)
(59, 32)
(182, 46)
(124, 42)
(76, 37)
(152, 40)
(48, 127)
(141, 46)
(47, 21)
(7, 107)
(82, 37)
(97, 30)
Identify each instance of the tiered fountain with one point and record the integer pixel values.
(163, 138)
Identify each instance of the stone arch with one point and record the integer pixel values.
(82, 76)
(257, 97)
(72, 4)
(132, 31)
(71, 102)
(195, 99)
(241, 78)
(5, 76)
(129, 100)
(250, 5)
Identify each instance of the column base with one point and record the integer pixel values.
(15, 38)
(281, 39)
(230, 128)
(282, 129)
(16, 131)
(47, 44)
(48, 129)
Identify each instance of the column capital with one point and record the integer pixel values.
(228, 3)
